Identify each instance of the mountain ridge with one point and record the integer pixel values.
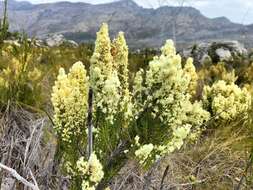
(143, 26)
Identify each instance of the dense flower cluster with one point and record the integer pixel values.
(120, 62)
(120, 59)
(103, 78)
(69, 99)
(165, 91)
(227, 101)
(143, 152)
(91, 172)
(190, 70)
(102, 57)
(179, 135)
(166, 86)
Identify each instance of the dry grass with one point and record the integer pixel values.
(23, 147)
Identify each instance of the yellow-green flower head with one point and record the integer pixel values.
(95, 169)
(110, 97)
(91, 170)
(104, 79)
(226, 100)
(69, 100)
(86, 186)
(143, 153)
(189, 70)
(120, 59)
(168, 86)
(120, 51)
(102, 57)
(120, 64)
(169, 49)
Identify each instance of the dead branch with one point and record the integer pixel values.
(15, 174)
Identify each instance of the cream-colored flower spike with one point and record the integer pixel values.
(103, 78)
(189, 70)
(169, 48)
(120, 64)
(120, 59)
(102, 57)
(69, 100)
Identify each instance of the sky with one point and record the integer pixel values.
(239, 11)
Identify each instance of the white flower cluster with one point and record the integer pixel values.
(69, 100)
(165, 90)
(189, 69)
(166, 87)
(227, 101)
(120, 60)
(109, 75)
(91, 172)
(179, 135)
(143, 152)
(149, 152)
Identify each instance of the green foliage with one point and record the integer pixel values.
(4, 25)
(20, 77)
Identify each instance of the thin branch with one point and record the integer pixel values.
(89, 122)
(15, 174)
(28, 145)
(33, 178)
(164, 176)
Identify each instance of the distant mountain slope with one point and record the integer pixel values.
(143, 27)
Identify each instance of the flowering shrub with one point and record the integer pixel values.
(164, 113)
(91, 172)
(69, 98)
(158, 111)
(226, 101)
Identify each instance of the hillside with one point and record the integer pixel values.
(143, 27)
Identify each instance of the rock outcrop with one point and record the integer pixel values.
(59, 39)
(214, 51)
